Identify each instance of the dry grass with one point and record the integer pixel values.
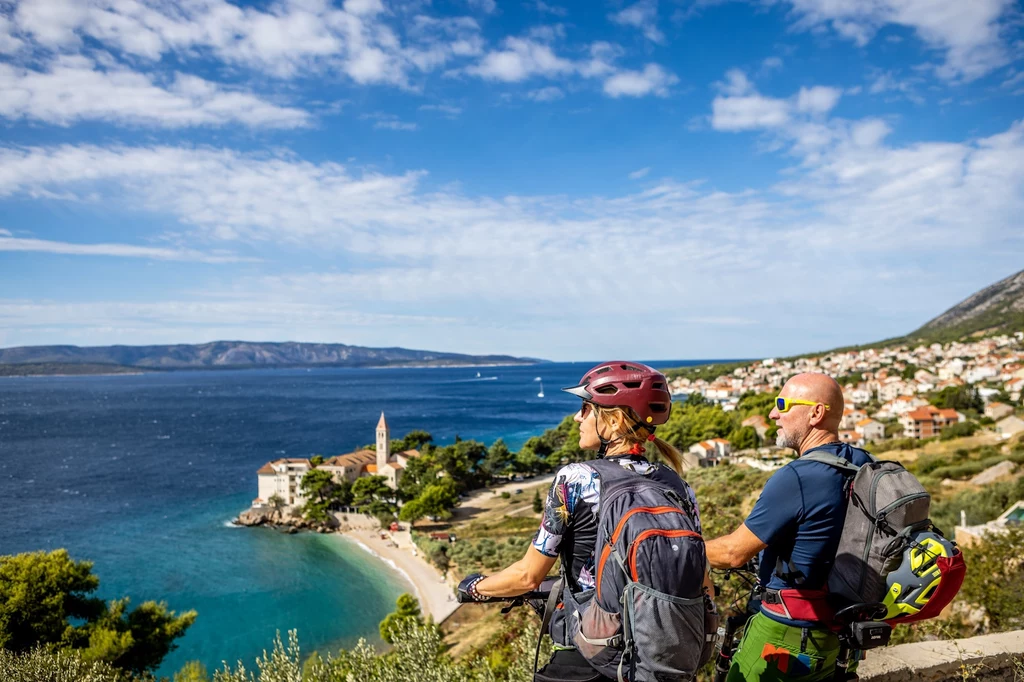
(944, 448)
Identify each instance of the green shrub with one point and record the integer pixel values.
(959, 430)
(42, 665)
(981, 505)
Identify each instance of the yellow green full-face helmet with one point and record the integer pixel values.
(914, 581)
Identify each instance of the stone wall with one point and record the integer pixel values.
(991, 658)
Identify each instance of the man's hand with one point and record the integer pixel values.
(467, 589)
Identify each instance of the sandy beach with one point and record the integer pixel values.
(435, 595)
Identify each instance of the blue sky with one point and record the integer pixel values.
(663, 178)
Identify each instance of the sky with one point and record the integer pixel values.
(652, 179)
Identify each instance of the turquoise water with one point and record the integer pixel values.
(142, 474)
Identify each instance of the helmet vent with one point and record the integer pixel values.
(631, 368)
(657, 385)
(631, 384)
(657, 407)
(607, 389)
(603, 370)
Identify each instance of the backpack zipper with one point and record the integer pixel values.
(662, 532)
(606, 552)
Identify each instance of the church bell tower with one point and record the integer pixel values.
(383, 444)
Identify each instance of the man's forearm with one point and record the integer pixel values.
(719, 553)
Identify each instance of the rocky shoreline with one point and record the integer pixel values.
(290, 524)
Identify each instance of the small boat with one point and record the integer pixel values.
(541, 394)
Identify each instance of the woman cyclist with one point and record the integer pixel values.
(623, 403)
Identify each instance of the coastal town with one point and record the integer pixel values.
(886, 390)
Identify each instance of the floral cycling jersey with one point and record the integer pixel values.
(569, 522)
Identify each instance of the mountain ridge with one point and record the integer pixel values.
(996, 308)
(235, 355)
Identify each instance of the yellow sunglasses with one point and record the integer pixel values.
(785, 404)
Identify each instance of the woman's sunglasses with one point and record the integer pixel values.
(586, 409)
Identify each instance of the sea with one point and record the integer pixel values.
(142, 474)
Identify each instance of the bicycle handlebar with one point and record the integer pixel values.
(542, 592)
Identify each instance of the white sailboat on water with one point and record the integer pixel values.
(541, 394)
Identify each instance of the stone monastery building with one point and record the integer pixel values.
(283, 477)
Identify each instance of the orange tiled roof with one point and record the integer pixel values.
(266, 470)
(922, 414)
(352, 458)
(864, 422)
(371, 468)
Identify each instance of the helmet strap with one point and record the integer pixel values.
(602, 452)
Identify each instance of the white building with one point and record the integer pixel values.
(281, 477)
(870, 429)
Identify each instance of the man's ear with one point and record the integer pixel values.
(818, 414)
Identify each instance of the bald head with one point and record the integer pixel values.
(820, 388)
(808, 423)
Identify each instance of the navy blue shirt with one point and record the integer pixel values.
(800, 517)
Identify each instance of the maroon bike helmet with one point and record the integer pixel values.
(620, 383)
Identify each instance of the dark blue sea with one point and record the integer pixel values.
(142, 474)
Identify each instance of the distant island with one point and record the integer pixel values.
(58, 360)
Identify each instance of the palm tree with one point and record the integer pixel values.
(277, 502)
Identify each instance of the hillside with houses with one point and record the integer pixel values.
(895, 391)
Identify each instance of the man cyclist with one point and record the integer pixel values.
(796, 524)
(623, 402)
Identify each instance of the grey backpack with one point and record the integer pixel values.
(648, 620)
(886, 505)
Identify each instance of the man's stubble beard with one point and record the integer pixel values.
(784, 439)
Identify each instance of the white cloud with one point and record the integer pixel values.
(249, 316)
(869, 132)
(889, 82)
(640, 173)
(74, 89)
(9, 243)
(395, 125)
(748, 112)
(545, 8)
(771, 64)
(1014, 83)
(741, 107)
(818, 99)
(9, 44)
(642, 15)
(969, 33)
(288, 37)
(736, 83)
(548, 94)
(449, 110)
(485, 6)
(436, 251)
(521, 59)
(652, 80)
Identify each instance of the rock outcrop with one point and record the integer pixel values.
(286, 523)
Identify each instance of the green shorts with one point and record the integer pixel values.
(772, 652)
